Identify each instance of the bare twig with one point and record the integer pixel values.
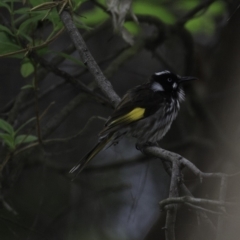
(187, 199)
(203, 209)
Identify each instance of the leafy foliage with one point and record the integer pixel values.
(9, 135)
(25, 22)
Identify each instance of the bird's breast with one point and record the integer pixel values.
(154, 127)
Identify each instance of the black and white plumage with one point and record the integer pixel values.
(146, 113)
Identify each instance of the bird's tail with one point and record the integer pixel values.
(90, 155)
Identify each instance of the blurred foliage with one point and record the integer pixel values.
(204, 22)
(24, 23)
(156, 10)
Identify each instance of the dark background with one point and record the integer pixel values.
(117, 195)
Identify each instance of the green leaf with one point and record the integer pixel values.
(5, 126)
(43, 50)
(69, 57)
(201, 24)
(53, 17)
(36, 2)
(132, 27)
(27, 86)
(216, 8)
(44, 6)
(5, 29)
(81, 24)
(148, 8)
(186, 5)
(92, 17)
(6, 46)
(31, 23)
(25, 139)
(20, 1)
(27, 68)
(22, 10)
(24, 35)
(77, 3)
(5, 5)
(8, 140)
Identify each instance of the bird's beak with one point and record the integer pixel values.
(186, 78)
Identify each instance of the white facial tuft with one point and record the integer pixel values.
(174, 85)
(157, 87)
(161, 73)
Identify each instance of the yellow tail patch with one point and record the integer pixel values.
(134, 115)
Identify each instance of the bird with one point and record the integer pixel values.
(145, 112)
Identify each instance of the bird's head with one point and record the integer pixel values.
(168, 82)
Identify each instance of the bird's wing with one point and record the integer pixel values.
(137, 104)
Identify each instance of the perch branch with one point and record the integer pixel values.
(171, 156)
(172, 209)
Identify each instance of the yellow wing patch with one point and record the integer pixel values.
(134, 115)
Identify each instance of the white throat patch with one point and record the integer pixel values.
(157, 87)
(174, 85)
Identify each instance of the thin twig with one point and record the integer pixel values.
(35, 83)
(203, 209)
(187, 199)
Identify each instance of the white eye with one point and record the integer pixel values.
(169, 80)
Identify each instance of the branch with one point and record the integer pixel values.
(185, 191)
(88, 59)
(222, 196)
(172, 209)
(170, 156)
(187, 199)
